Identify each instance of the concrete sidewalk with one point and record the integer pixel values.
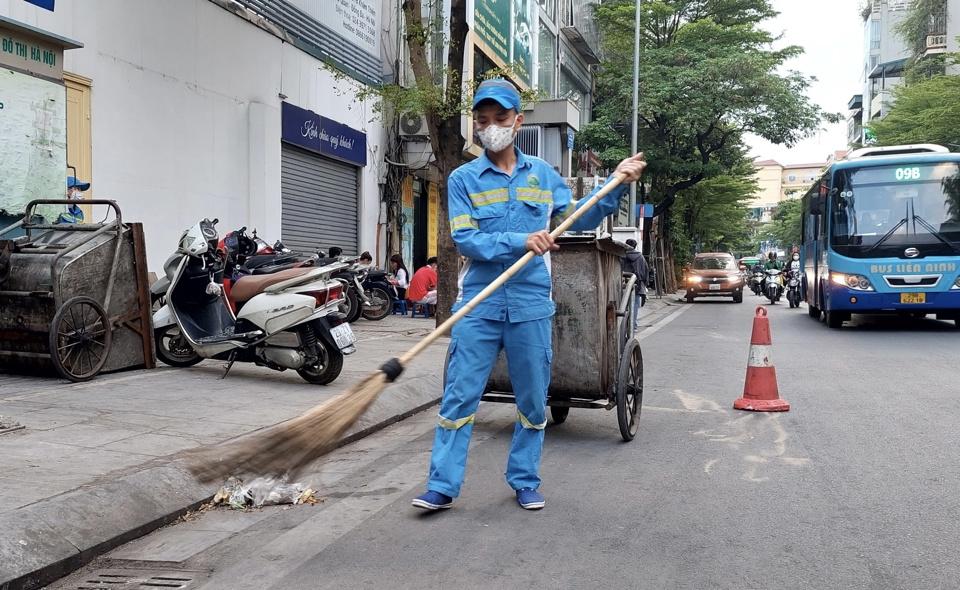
(97, 464)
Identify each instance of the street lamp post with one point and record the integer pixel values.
(632, 213)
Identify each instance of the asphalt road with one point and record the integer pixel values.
(855, 487)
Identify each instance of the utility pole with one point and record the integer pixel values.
(632, 213)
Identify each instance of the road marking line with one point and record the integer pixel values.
(654, 328)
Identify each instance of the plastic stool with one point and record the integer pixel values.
(400, 307)
(423, 309)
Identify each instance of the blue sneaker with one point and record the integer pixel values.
(530, 499)
(433, 501)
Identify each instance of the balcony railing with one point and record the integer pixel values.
(936, 44)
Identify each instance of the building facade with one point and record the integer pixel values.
(778, 183)
(885, 55)
(547, 46)
(243, 110)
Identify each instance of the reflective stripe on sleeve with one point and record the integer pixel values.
(462, 222)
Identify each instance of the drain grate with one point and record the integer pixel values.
(123, 579)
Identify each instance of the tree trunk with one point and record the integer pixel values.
(443, 122)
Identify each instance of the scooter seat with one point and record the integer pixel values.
(246, 287)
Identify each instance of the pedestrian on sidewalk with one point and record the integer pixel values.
(501, 205)
(423, 285)
(634, 262)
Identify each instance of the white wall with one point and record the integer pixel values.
(186, 113)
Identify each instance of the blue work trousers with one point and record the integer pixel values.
(474, 347)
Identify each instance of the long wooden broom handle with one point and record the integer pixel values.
(505, 276)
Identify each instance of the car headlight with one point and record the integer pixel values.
(852, 281)
(956, 284)
(694, 280)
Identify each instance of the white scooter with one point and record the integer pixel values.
(292, 322)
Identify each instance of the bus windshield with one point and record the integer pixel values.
(881, 211)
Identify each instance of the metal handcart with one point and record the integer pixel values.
(597, 362)
(74, 296)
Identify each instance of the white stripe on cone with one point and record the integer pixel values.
(760, 356)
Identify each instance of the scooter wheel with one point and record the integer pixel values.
(327, 369)
(173, 349)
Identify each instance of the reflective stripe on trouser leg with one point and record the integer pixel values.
(529, 356)
(474, 346)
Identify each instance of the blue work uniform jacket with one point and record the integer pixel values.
(491, 215)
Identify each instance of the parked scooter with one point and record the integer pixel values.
(774, 284)
(793, 288)
(379, 295)
(289, 321)
(249, 255)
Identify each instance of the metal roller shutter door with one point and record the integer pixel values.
(320, 202)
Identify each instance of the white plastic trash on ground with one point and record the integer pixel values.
(263, 491)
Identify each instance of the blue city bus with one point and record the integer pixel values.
(881, 235)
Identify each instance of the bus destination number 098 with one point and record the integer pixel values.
(908, 174)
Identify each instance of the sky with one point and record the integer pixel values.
(831, 33)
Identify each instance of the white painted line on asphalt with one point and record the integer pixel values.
(656, 327)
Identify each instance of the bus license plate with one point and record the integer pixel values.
(913, 298)
(343, 335)
(714, 287)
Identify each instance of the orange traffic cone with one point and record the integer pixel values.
(760, 390)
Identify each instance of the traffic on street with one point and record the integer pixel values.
(645, 294)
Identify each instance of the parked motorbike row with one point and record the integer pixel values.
(774, 283)
(240, 299)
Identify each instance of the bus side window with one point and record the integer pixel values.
(822, 223)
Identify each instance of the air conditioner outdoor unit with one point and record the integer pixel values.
(413, 124)
(529, 140)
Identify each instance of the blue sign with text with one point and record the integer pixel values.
(322, 135)
(644, 210)
(48, 4)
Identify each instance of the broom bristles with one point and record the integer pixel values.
(288, 447)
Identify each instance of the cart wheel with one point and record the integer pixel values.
(559, 414)
(80, 338)
(630, 390)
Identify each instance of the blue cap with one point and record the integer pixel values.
(73, 182)
(499, 90)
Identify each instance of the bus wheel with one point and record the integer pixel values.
(813, 311)
(834, 319)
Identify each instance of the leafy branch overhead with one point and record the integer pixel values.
(709, 73)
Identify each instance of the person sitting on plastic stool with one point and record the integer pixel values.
(423, 285)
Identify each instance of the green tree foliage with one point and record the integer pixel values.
(714, 216)
(708, 74)
(786, 223)
(924, 112)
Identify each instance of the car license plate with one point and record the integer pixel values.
(343, 336)
(715, 287)
(913, 298)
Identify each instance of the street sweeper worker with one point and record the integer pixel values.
(501, 205)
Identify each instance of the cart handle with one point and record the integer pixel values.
(28, 214)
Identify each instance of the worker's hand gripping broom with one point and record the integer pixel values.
(289, 446)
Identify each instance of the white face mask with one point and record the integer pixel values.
(796, 257)
(496, 138)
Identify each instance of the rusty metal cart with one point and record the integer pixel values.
(597, 362)
(74, 295)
